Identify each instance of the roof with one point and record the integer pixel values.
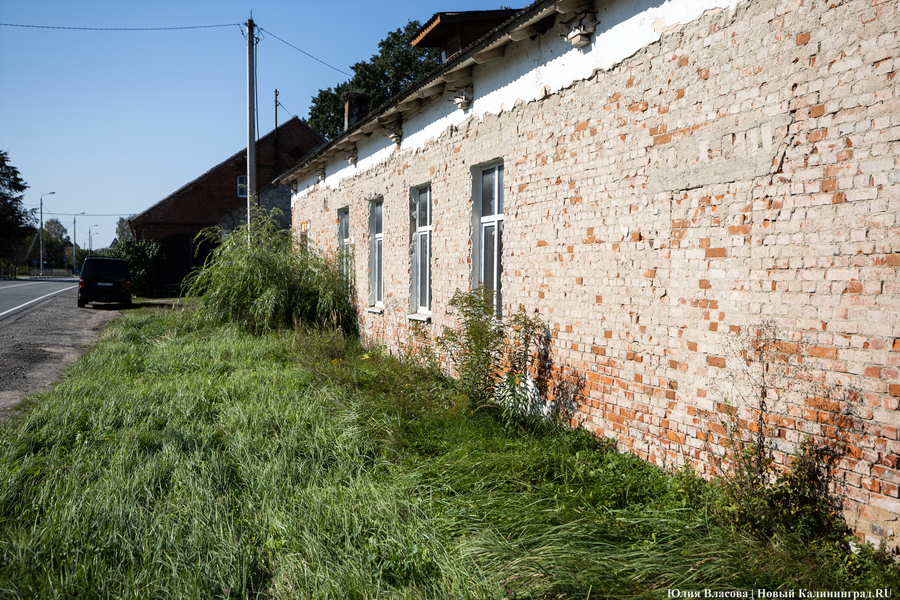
(522, 24)
(199, 203)
(429, 35)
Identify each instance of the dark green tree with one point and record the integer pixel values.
(143, 259)
(396, 66)
(15, 220)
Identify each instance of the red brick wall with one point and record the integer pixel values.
(742, 171)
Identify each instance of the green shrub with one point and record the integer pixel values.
(143, 259)
(261, 278)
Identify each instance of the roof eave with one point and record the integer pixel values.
(463, 60)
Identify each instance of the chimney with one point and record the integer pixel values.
(356, 105)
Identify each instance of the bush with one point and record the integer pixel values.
(143, 259)
(261, 278)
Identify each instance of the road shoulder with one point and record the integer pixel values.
(37, 345)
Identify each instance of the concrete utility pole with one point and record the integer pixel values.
(75, 245)
(251, 121)
(276, 133)
(42, 230)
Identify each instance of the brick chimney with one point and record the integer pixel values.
(356, 106)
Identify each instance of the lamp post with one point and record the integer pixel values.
(91, 240)
(42, 230)
(74, 246)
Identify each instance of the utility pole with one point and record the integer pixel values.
(42, 230)
(75, 245)
(276, 133)
(251, 121)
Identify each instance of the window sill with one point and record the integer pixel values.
(419, 317)
(375, 309)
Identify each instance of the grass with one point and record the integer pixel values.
(188, 460)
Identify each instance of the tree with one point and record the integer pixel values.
(55, 230)
(15, 219)
(396, 66)
(123, 229)
(56, 241)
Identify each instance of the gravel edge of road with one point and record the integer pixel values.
(40, 343)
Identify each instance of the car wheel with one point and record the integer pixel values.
(81, 303)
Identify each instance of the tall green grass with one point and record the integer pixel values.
(185, 460)
(262, 278)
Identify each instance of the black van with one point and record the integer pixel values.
(104, 280)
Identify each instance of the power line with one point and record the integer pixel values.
(305, 52)
(285, 110)
(175, 29)
(92, 215)
(118, 28)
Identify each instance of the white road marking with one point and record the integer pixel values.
(37, 299)
(9, 287)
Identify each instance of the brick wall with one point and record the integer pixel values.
(724, 198)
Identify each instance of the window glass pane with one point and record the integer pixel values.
(379, 284)
(423, 212)
(423, 275)
(500, 190)
(487, 256)
(343, 225)
(499, 268)
(487, 192)
(378, 210)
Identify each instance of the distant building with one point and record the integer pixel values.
(219, 198)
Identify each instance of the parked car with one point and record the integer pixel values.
(104, 280)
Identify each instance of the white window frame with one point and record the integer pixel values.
(489, 229)
(242, 185)
(422, 233)
(376, 254)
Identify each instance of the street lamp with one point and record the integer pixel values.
(42, 230)
(74, 246)
(91, 241)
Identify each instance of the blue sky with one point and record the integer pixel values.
(114, 121)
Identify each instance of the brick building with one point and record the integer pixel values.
(219, 198)
(688, 192)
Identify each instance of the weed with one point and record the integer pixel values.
(763, 497)
(492, 355)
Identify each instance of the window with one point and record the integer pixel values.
(304, 233)
(489, 212)
(242, 186)
(421, 251)
(344, 240)
(376, 254)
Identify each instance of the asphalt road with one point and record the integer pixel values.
(20, 295)
(39, 340)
